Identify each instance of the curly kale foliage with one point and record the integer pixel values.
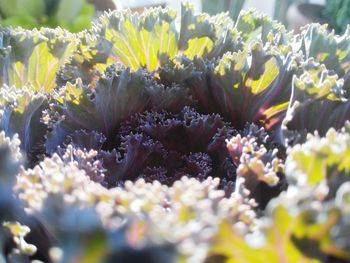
(130, 221)
(256, 85)
(142, 125)
(21, 114)
(130, 125)
(308, 222)
(17, 250)
(32, 58)
(337, 13)
(320, 85)
(147, 146)
(148, 39)
(321, 160)
(332, 50)
(114, 98)
(259, 164)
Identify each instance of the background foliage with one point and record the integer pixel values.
(73, 15)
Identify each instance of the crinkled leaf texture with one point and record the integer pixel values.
(177, 103)
(317, 103)
(307, 223)
(288, 237)
(253, 25)
(258, 166)
(148, 39)
(320, 160)
(60, 194)
(147, 146)
(10, 160)
(316, 42)
(21, 113)
(114, 98)
(34, 57)
(12, 210)
(251, 86)
(254, 85)
(238, 86)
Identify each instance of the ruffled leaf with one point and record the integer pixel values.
(114, 98)
(316, 104)
(18, 232)
(10, 159)
(242, 87)
(321, 160)
(148, 39)
(21, 114)
(316, 42)
(258, 165)
(11, 210)
(294, 232)
(303, 224)
(253, 25)
(32, 58)
(170, 145)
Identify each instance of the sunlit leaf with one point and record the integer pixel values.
(32, 58)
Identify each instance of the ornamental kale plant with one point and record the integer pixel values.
(175, 138)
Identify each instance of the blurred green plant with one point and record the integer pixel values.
(234, 7)
(281, 7)
(337, 14)
(73, 15)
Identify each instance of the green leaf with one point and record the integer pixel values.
(253, 85)
(336, 13)
(290, 237)
(253, 25)
(320, 160)
(68, 10)
(8, 7)
(72, 15)
(21, 114)
(149, 39)
(33, 57)
(24, 21)
(137, 40)
(30, 8)
(83, 20)
(232, 6)
(315, 41)
(317, 103)
(118, 94)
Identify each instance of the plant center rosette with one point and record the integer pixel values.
(129, 125)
